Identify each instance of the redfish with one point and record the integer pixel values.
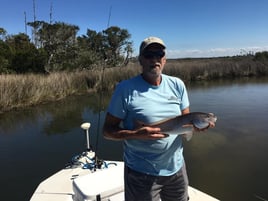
(184, 124)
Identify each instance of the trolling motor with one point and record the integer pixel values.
(88, 159)
(85, 127)
(97, 162)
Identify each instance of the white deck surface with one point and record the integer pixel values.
(80, 184)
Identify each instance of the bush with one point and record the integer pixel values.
(261, 56)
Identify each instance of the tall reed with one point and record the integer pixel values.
(216, 68)
(22, 90)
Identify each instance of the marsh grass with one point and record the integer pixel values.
(31, 89)
(216, 68)
(21, 90)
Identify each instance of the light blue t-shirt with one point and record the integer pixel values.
(137, 100)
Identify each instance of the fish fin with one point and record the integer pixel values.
(188, 136)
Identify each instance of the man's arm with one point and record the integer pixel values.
(112, 130)
(185, 111)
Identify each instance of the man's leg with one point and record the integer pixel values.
(175, 187)
(140, 187)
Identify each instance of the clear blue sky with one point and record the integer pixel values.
(190, 28)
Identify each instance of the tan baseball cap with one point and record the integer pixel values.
(150, 40)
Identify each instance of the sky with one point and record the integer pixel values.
(189, 28)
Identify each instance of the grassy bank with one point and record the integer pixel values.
(30, 89)
(24, 90)
(217, 68)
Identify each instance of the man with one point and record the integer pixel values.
(154, 164)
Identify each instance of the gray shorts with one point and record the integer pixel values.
(144, 187)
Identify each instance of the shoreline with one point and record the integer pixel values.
(21, 90)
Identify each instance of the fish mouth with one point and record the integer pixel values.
(212, 117)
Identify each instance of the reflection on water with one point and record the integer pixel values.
(228, 162)
(37, 141)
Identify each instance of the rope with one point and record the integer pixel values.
(90, 163)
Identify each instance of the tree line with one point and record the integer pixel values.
(56, 47)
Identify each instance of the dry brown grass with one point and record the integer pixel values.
(22, 90)
(216, 68)
(30, 89)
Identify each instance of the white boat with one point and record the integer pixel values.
(88, 179)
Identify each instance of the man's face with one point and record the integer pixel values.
(153, 60)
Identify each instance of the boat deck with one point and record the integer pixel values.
(77, 184)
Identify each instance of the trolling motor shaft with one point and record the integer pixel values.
(85, 127)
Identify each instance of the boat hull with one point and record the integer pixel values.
(78, 184)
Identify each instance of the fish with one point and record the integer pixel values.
(183, 124)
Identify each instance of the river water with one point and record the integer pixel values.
(229, 161)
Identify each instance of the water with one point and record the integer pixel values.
(228, 162)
